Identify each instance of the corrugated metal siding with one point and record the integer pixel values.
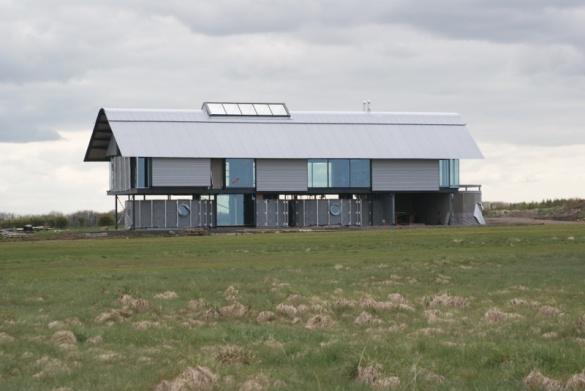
(181, 172)
(405, 175)
(281, 175)
(120, 179)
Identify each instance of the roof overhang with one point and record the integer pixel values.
(100, 139)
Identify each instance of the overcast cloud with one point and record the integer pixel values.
(514, 69)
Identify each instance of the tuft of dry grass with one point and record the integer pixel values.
(193, 378)
(535, 380)
(167, 295)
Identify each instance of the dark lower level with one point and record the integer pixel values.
(274, 211)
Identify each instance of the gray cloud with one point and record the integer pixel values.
(515, 69)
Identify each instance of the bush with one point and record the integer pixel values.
(105, 220)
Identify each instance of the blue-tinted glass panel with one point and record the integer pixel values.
(444, 173)
(230, 209)
(359, 172)
(239, 173)
(141, 172)
(454, 173)
(339, 173)
(318, 173)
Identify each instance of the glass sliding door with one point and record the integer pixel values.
(230, 209)
(235, 209)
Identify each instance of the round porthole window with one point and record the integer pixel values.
(335, 209)
(184, 210)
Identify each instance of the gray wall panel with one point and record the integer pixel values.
(181, 172)
(120, 173)
(281, 175)
(405, 175)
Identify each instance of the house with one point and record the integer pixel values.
(261, 165)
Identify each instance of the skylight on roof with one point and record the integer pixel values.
(246, 109)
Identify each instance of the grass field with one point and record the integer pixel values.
(417, 309)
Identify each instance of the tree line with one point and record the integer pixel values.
(80, 219)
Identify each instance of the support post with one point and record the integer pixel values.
(133, 212)
(116, 210)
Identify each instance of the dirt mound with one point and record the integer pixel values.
(397, 298)
(368, 302)
(136, 305)
(372, 376)
(231, 293)
(256, 383)
(366, 318)
(232, 354)
(197, 305)
(549, 311)
(494, 315)
(5, 338)
(319, 321)
(537, 381)
(49, 367)
(64, 339)
(234, 310)
(110, 317)
(287, 310)
(576, 382)
(265, 316)
(167, 295)
(198, 378)
(446, 301)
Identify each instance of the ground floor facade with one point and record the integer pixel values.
(269, 210)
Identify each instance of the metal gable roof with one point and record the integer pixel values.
(368, 135)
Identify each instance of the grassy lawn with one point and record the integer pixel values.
(478, 309)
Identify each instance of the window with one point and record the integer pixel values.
(240, 173)
(339, 173)
(318, 173)
(449, 173)
(230, 209)
(141, 169)
(235, 209)
(359, 173)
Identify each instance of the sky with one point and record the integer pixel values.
(515, 70)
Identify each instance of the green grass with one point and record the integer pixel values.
(58, 280)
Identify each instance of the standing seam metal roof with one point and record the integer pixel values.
(368, 135)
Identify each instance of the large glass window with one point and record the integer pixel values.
(339, 173)
(235, 209)
(240, 173)
(318, 173)
(230, 209)
(449, 173)
(359, 173)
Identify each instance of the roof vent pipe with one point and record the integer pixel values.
(364, 105)
(368, 106)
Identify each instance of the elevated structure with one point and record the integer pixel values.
(259, 164)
